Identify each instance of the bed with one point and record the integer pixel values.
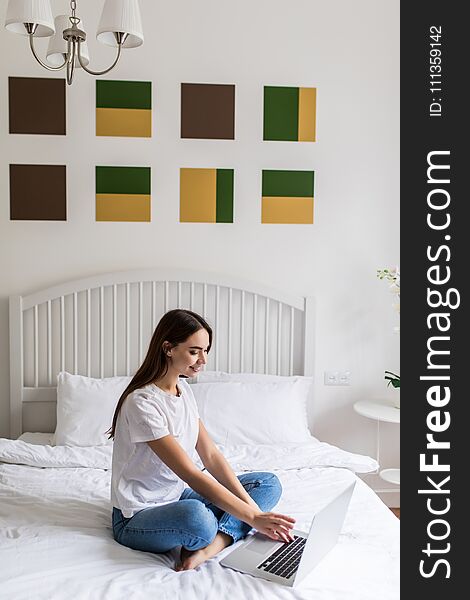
(55, 537)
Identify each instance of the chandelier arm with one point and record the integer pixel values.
(43, 64)
(84, 67)
(71, 62)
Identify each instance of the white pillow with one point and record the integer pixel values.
(85, 408)
(221, 376)
(238, 412)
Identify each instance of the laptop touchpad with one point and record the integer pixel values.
(258, 545)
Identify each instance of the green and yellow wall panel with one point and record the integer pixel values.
(287, 197)
(123, 194)
(290, 114)
(124, 108)
(206, 195)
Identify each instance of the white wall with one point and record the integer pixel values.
(350, 52)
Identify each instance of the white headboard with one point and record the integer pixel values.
(101, 326)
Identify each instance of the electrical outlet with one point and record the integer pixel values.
(337, 378)
(331, 377)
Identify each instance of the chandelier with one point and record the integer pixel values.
(120, 26)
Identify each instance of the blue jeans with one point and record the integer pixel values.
(192, 521)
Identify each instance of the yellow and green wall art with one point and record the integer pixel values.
(124, 108)
(206, 195)
(287, 197)
(123, 193)
(290, 114)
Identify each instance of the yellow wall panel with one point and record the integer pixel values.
(122, 207)
(124, 122)
(286, 209)
(307, 114)
(198, 188)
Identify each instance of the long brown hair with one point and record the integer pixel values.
(174, 327)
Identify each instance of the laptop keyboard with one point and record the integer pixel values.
(284, 562)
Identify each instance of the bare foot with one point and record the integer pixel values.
(184, 556)
(190, 559)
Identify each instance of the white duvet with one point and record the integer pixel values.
(56, 541)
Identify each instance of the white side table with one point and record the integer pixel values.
(381, 410)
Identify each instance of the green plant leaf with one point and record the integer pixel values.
(392, 379)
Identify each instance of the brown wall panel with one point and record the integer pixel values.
(38, 192)
(207, 111)
(37, 105)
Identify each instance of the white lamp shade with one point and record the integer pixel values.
(121, 16)
(57, 48)
(30, 11)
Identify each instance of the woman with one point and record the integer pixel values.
(156, 429)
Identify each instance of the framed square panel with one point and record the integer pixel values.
(38, 193)
(208, 111)
(287, 197)
(289, 114)
(36, 105)
(123, 194)
(123, 108)
(206, 195)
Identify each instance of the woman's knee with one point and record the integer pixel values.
(267, 478)
(198, 520)
(270, 488)
(272, 480)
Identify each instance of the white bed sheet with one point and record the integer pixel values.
(56, 542)
(36, 450)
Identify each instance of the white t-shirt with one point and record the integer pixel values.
(139, 478)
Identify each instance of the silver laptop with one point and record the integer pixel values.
(289, 563)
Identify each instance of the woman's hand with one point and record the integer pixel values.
(275, 526)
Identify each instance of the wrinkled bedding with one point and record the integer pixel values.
(35, 449)
(56, 541)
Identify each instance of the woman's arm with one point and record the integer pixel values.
(215, 463)
(171, 453)
(275, 526)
